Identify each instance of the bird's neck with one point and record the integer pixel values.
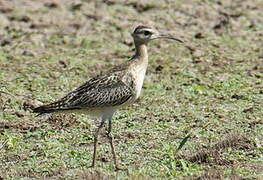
(138, 67)
(141, 54)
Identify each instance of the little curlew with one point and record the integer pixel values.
(104, 94)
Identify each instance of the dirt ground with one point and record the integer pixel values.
(200, 115)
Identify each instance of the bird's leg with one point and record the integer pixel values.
(112, 146)
(96, 142)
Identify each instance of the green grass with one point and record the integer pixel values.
(200, 113)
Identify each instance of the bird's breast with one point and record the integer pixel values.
(139, 74)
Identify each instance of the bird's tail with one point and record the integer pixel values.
(45, 110)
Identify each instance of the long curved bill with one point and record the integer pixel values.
(158, 36)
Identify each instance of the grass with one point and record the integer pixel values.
(200, 114)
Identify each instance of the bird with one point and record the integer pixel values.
(104, 94)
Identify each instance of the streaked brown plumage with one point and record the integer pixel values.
(104, 94)
(110, 89)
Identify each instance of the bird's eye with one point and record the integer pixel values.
(146, 33)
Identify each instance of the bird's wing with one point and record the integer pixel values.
(101, 91)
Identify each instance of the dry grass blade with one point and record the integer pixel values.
(218, 174)
(232, 140)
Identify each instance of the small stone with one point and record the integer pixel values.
(159, 68)
(5, 41)
(199, 35)
(105, 159)
(29, 53)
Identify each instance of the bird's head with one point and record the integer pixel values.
(144, 34)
